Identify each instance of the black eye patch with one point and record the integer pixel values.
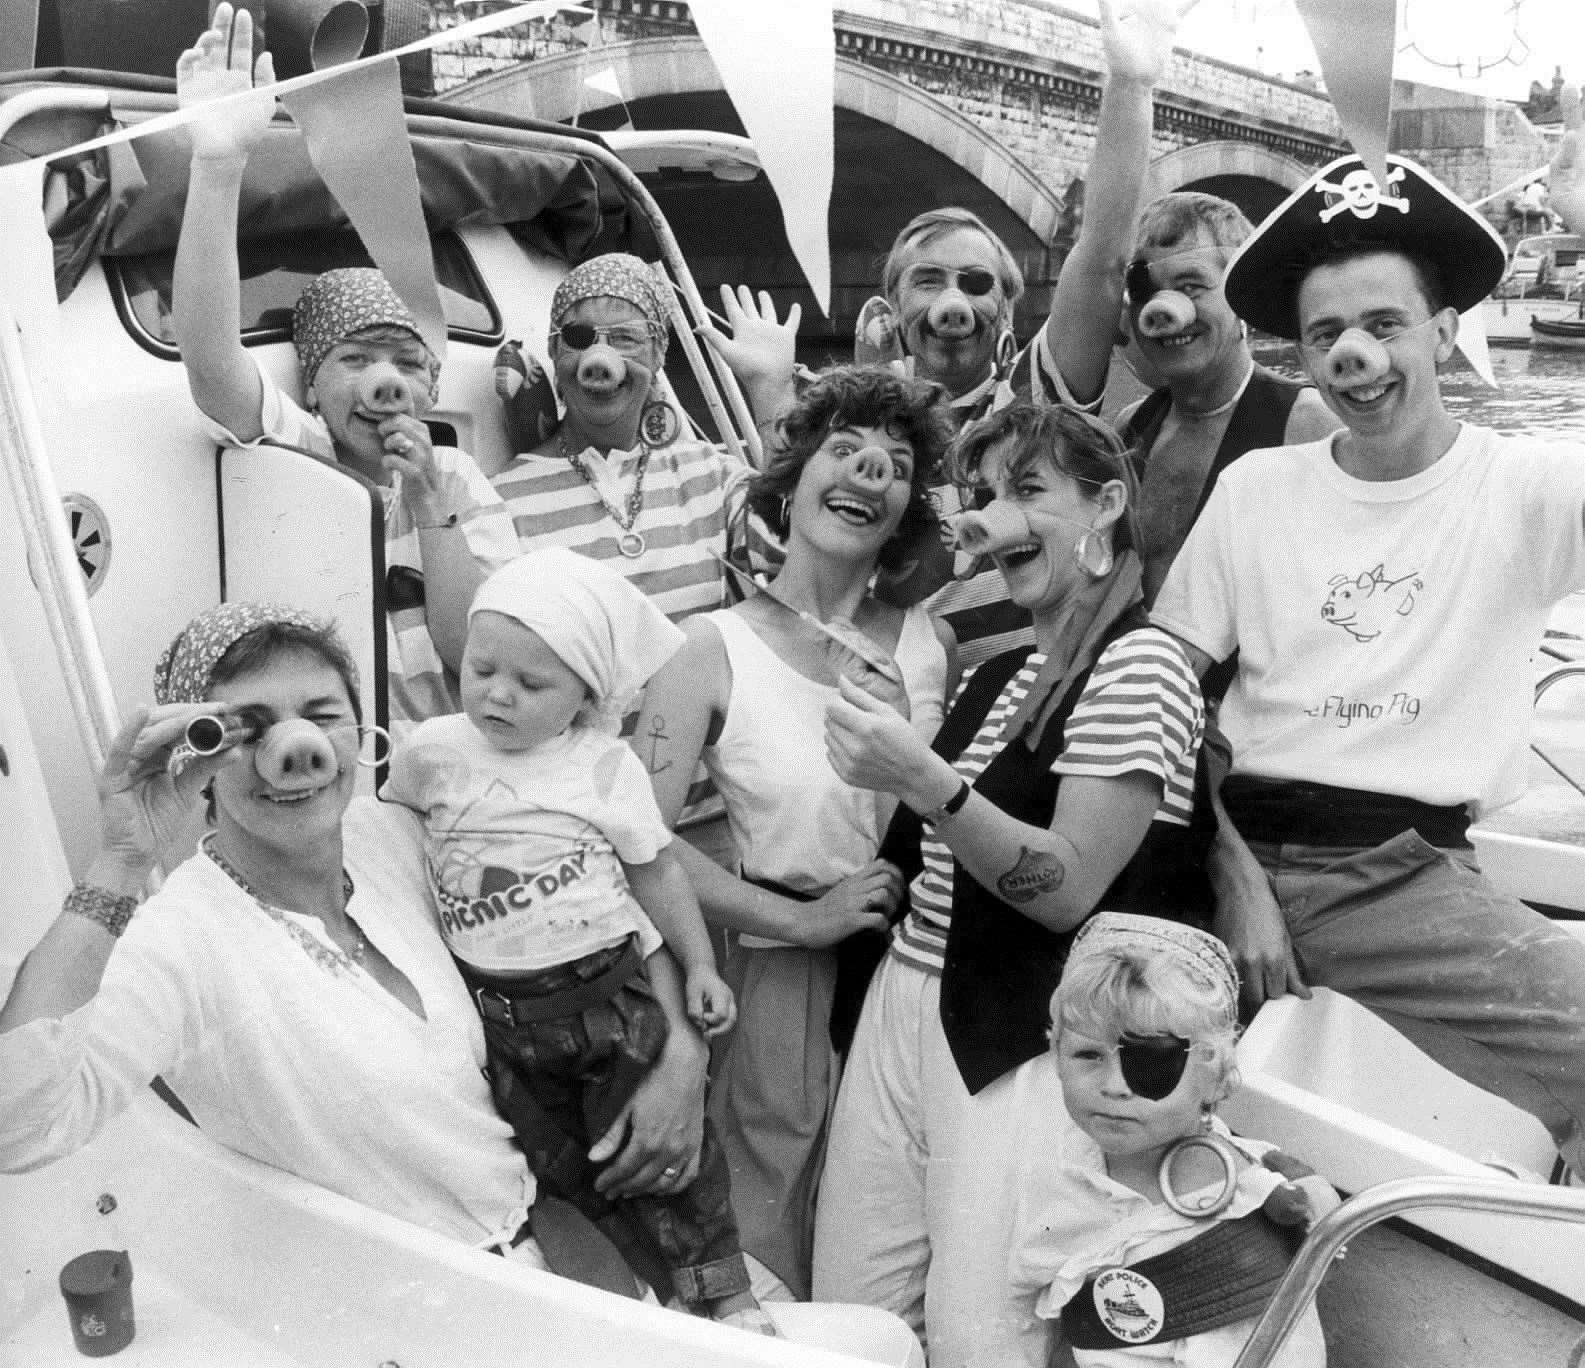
(1138, 282)
(1152, 1065)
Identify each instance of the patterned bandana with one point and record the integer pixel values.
(1198, 952)
(616, 275)
(339, 303)
(183, 672)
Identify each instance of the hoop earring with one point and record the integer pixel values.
(382, 747)
(1097, 564)
(657, 422)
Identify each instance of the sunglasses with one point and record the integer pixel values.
(976, 281)
(627, 338)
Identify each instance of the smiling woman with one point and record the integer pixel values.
(749, 691)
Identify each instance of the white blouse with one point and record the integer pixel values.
(301, 1061)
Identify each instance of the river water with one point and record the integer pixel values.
(1542, 393)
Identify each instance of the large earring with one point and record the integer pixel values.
(1006, 351)
(657, 422)
(380, 751)
(1092, 553)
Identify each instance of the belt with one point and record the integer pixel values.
(1286, 811)
(1225, 1275)
(505, 1002)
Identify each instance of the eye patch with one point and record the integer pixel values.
(1152, 1065)
(1138, 282)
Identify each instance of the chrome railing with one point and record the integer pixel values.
(1374, 1205)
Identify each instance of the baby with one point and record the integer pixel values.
(1143, 1203)
(557, 891)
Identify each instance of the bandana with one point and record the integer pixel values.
(1204, 957)
(616, 275)
(183, 673)
(339, 303)
(603, 628)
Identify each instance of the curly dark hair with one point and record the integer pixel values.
(859, 396)
(1082, 447)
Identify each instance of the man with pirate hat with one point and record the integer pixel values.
(1384, 589)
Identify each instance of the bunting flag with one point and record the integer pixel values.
(351, 125)
(780, 71)
(605, 81)
(1472, 342)
(1356, 40)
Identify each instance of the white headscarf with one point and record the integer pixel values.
(603, 628)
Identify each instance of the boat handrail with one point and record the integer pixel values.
(1325, 1242)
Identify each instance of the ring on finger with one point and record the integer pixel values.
(670, 1172)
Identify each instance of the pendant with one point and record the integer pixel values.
(631, 545)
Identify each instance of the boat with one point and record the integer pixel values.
(119, 522)
(1543, 281)
(1558, 334)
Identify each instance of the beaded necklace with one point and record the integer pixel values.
(630, 543)
(331, 958)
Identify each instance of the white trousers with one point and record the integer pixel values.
(920, 1188)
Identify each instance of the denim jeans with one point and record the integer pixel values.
(1489, 988)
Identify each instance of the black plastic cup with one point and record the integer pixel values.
(98, 1291)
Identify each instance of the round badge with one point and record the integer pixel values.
(1129, 1305)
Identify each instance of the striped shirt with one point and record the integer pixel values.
(418, 685)
(1140, 712)
(977, 608)
(682, 518)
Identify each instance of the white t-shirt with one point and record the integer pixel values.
(305, 1064)
(420, 686)
(526, 847)
(1384, 629)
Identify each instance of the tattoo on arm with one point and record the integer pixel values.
(1033, 875)
(657, 734)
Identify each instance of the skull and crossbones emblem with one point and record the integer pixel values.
(1359, 193)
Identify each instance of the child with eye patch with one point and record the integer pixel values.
(1149, 1231)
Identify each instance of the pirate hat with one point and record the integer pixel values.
(1342, 206)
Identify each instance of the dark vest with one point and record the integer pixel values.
(1260, 419)
(1001, 966)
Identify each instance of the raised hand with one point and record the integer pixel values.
(761, 349)
(1137, 36)
(219, 64)
(145, 804)
(1566, 178)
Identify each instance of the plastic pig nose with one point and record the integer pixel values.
(873, 466)
(1168, 312)
(1356, 355)
(296, 755)
(951, 315)
(983, 531)
(384, 391)
(601, 368)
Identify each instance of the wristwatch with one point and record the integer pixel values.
(950, 808)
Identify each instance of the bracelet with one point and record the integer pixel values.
(110, 910)
(951, 807)
(450, 521)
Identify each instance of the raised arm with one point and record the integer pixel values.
(142, 807)
(761, 350)
(205, 289)
(1137, 36)
(683, 704)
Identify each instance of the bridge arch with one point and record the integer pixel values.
(1255, 178)
(555, 89)
(900, 150)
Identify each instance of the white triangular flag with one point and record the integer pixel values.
(780, 70)
(605, 80)
(1355, 40)
(1472, 342)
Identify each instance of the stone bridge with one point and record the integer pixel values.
(986, 103)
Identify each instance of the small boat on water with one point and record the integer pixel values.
(1558, 334)
(1543, 286)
